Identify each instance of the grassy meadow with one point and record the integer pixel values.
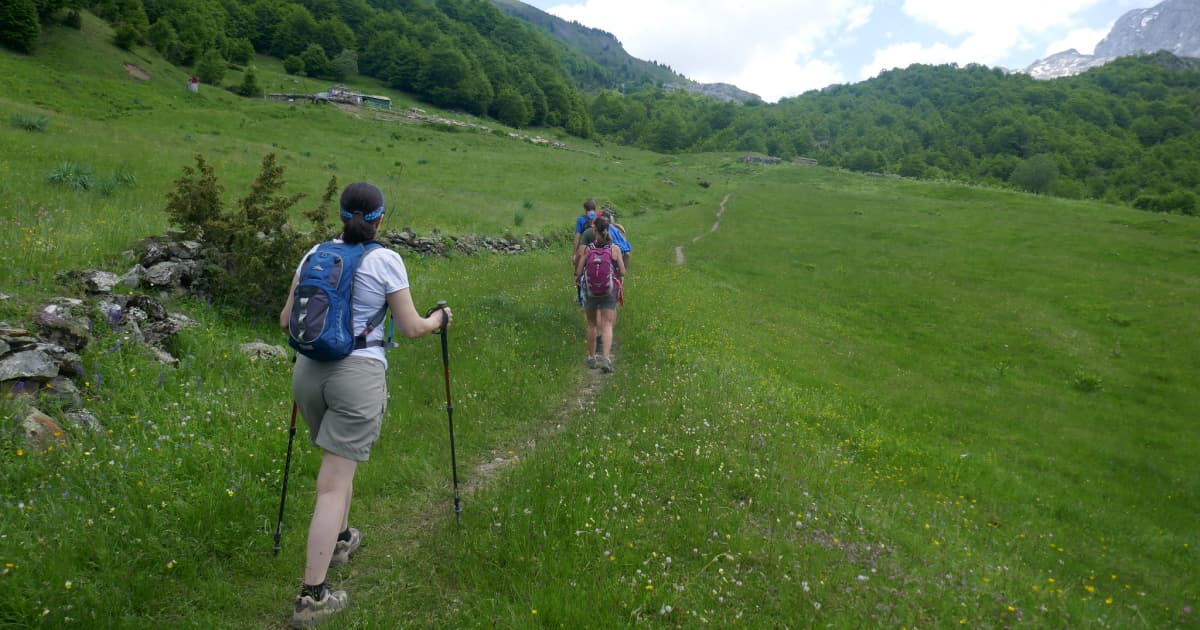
(858, 402)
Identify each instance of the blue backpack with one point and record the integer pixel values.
(319, 326)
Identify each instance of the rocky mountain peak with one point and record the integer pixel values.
(1172, 25)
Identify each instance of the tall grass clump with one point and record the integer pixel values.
(29, 122)
(73, 176)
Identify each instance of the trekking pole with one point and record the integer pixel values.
(287, 463)
(449, 409)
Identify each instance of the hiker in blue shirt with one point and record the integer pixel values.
(582, 224)
(615, 231)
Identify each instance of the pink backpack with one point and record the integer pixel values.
(598, 273)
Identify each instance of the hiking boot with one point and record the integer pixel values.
(606, 366)
(343, 548)
(310, 612)
(591, 362)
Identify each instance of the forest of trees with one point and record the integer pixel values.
(1126, 132)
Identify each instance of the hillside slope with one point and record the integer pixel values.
(858, 402)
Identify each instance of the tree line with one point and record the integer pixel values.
(1126, 132)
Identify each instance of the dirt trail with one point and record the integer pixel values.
(425, 514)
(679, 257)
(483, 474)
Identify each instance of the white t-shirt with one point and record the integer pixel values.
(379, 273)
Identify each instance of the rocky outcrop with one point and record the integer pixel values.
(39, 363)
(1064, 64)
(1172, 26)
(760, 159)
(718, 91)
(435, 244)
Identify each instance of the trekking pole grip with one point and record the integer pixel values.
(441, 306)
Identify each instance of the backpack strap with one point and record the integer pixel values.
(360, 340)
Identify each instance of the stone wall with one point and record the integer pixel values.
(40, 363)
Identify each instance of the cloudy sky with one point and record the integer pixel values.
(778, 48)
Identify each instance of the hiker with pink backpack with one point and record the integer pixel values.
(600, 270)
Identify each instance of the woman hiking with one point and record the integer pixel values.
(343, 401)
(601, 309)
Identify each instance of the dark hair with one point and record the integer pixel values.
(590, 205)
(603, 238)
(359, 201)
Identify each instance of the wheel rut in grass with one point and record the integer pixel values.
(679, 257)
(424, 515)
(579, 400)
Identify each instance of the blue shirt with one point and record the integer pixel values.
(618, 239)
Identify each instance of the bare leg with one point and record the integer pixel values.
(335, 484)
(607, 318)
(593, 329)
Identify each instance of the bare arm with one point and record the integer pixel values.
(411, 323)
(618, 259)
(286, 313)
(579, 261)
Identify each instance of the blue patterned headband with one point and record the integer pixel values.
(368, 217)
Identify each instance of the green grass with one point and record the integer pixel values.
(860, 402)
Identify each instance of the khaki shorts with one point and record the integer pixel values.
(342, 402)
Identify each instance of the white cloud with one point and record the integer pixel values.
(1083, 40)
(788, 77)
(961, 17)
(763, 49)
(778, 48)
(904, 55)
(996, 31)
(859, 17)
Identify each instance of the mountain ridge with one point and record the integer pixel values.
(605, 50)
(1171, 25)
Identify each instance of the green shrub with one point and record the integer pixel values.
(344, 66)
(211, 67)
(195, 204)
(323, 228)
(19, 27)
(29, 123)
(239, 51)
(1037, 174)
(124, 176)
(864, 160)
(72, 175)
(294, 65)
(250, 251)
(1181, 201)
(249, 86)
(1087, 383)
(106, 186)
(126, 36)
